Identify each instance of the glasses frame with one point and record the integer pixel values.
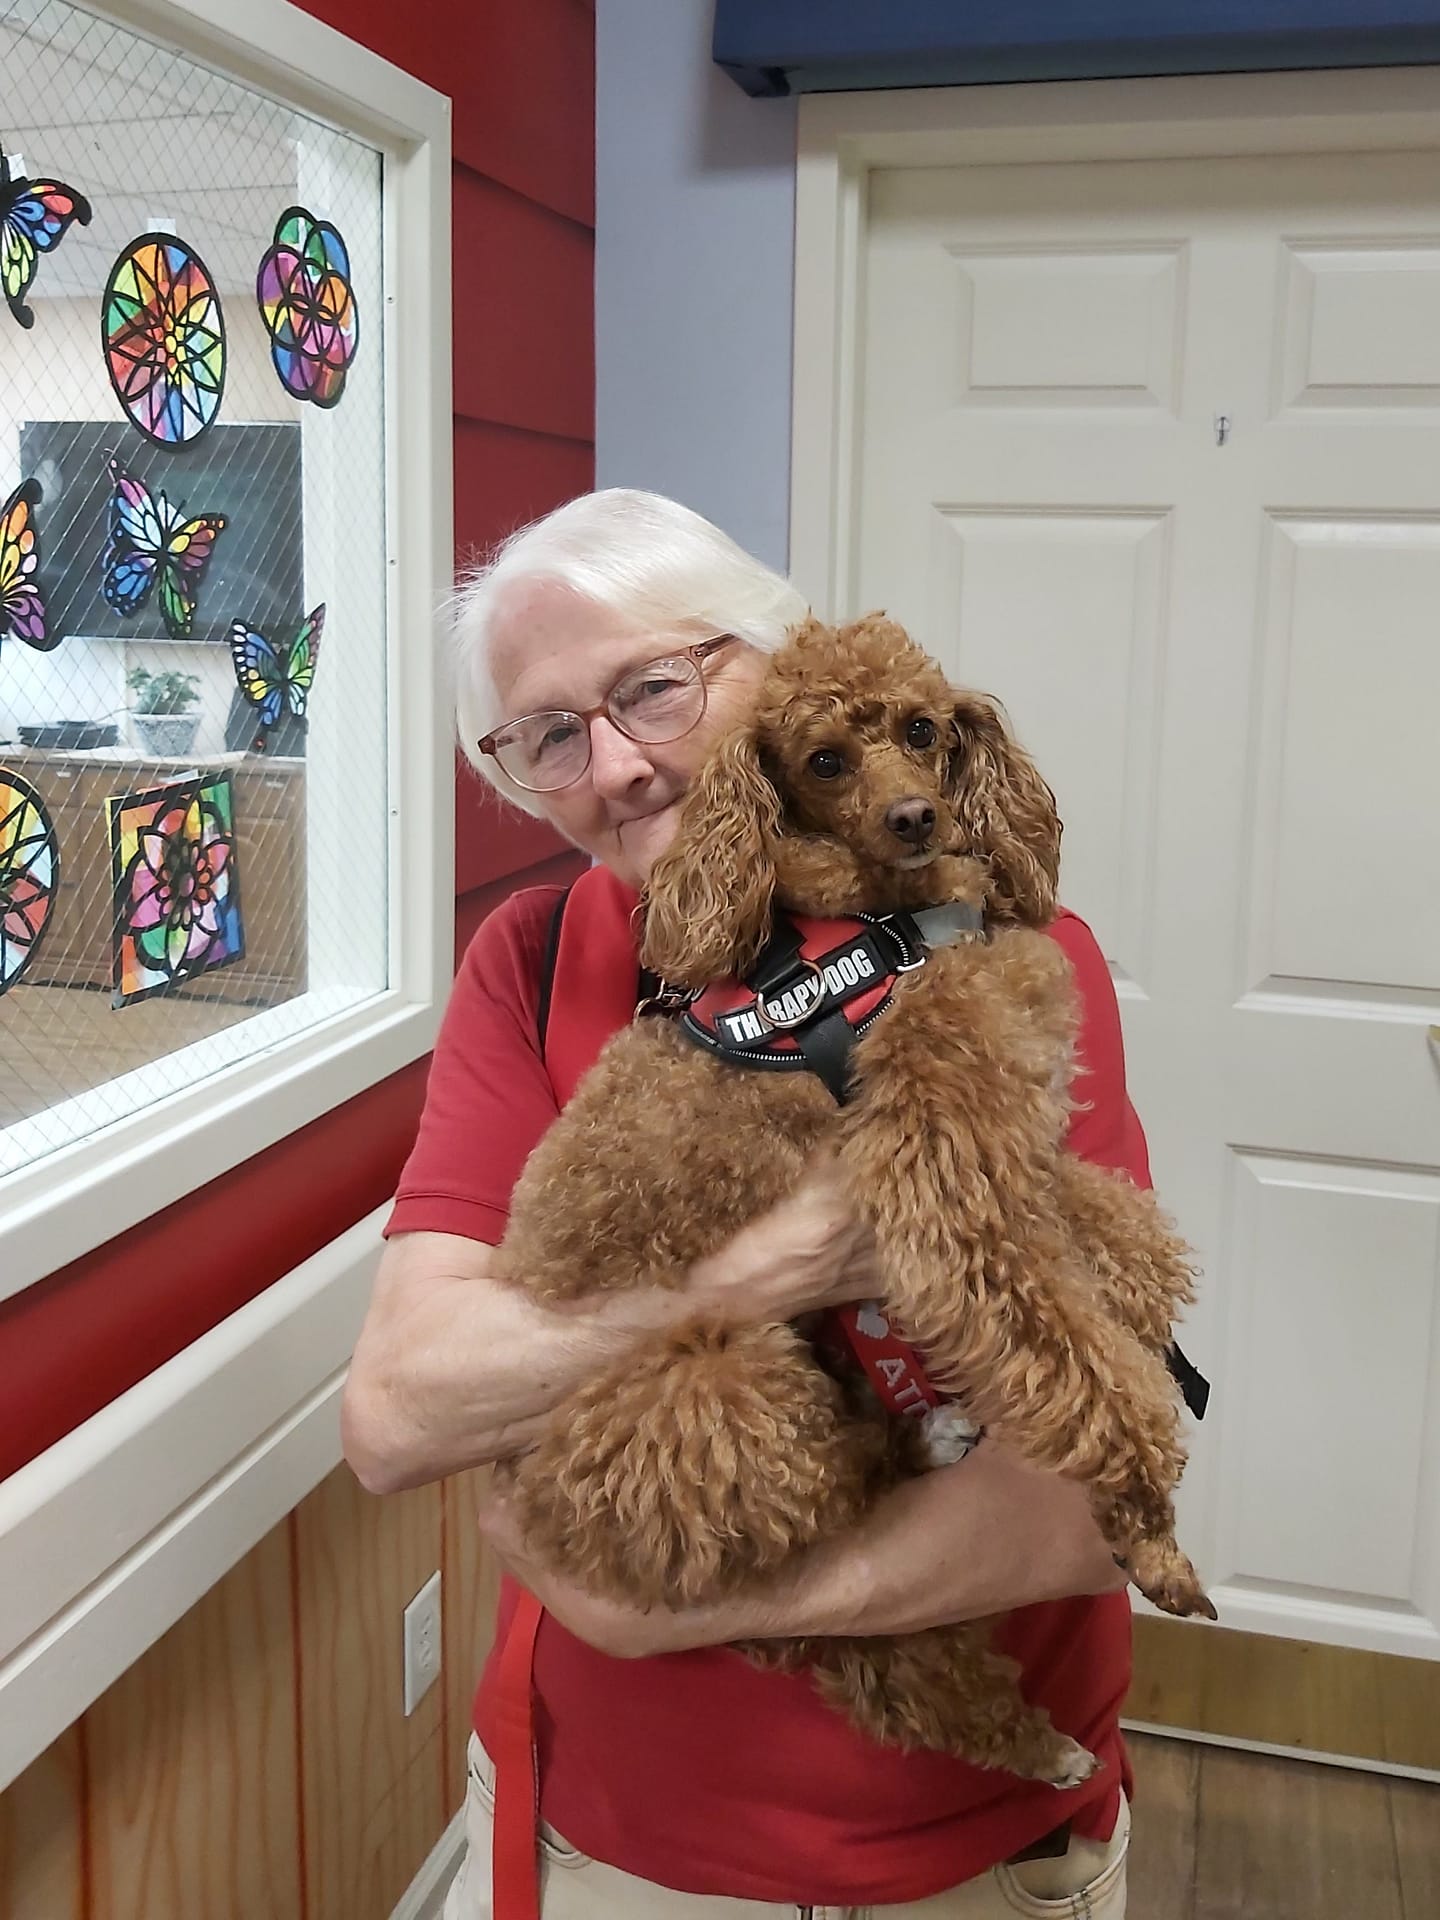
(696, 655)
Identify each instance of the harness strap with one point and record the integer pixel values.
(826, 1046)
(1194, 1387)
(778, 960)
(515, 1844)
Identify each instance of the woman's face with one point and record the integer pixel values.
(551, 649)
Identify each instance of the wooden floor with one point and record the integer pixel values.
(1225, 1835)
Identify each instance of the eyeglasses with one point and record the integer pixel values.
(663, 700)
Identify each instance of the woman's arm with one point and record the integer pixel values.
(962, 1543)
(455, 1367)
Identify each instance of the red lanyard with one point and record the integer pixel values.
(515, 1866)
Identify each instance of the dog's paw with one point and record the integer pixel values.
(1072, 1764)
(1168, 1581)
(947, 1435)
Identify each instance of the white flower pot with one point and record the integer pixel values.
(166, 736)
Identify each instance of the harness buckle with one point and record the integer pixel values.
(805, 990)
(666, 999)
(906, 940)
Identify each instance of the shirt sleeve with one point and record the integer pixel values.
(488, 1098)
(1104, 1127)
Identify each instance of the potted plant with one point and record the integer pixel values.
(162, 713)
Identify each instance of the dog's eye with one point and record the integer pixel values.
(920, 732)
(826, 764)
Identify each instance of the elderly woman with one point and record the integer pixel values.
(674, 1777)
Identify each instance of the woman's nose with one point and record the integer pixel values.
(616, 761)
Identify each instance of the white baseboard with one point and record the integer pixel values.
(1331, 1622)
(424, 1898)
(112, 1534)
(1351, 1763)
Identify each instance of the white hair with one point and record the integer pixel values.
(648, 559)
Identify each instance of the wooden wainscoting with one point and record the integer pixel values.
(1286, 1693)
(257, 1761)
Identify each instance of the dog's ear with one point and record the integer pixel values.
(707, 907)
(1006, 813)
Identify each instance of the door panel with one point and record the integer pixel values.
(1015, 579)
(1347, 755)
(1085, 327)
(1324, 1442)
(1360, 325)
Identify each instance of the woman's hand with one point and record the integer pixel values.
(625, 1631)
(456, 1366)
(982, 1537)
(808, 1252)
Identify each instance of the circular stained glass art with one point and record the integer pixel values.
(29, 875)
(308, 305)
(164, 338)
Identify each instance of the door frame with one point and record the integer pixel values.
(844, 137)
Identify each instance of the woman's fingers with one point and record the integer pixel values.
(1064, 1550)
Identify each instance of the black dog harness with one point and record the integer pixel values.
(809, 997)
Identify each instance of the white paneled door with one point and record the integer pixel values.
(1152, 450)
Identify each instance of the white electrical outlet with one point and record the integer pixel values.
(422, 1643)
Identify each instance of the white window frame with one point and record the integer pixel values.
(74, 1199)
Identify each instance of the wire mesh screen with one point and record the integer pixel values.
(193, 805)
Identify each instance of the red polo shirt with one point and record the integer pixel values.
(696, 1770)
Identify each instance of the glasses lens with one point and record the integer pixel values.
(659, 701)
(545, 751)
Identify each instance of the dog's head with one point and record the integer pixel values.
(859, 771)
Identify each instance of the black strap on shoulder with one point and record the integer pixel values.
(780, 959)
(547, 968)
(1194, 1387)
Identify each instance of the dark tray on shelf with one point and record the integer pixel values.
(70, 735)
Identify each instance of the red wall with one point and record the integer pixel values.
(521, 74)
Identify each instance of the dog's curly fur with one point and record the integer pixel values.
(1040, 1288)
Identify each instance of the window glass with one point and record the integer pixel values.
(193, 575)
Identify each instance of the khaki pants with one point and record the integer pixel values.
(1087, 1883)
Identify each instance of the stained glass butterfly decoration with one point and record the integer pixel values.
(274, 682)
(154, 545)
(35, 216)
(22, 607)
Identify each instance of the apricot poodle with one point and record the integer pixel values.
(1040, 1289)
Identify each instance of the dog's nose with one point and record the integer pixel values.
(911, 820)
